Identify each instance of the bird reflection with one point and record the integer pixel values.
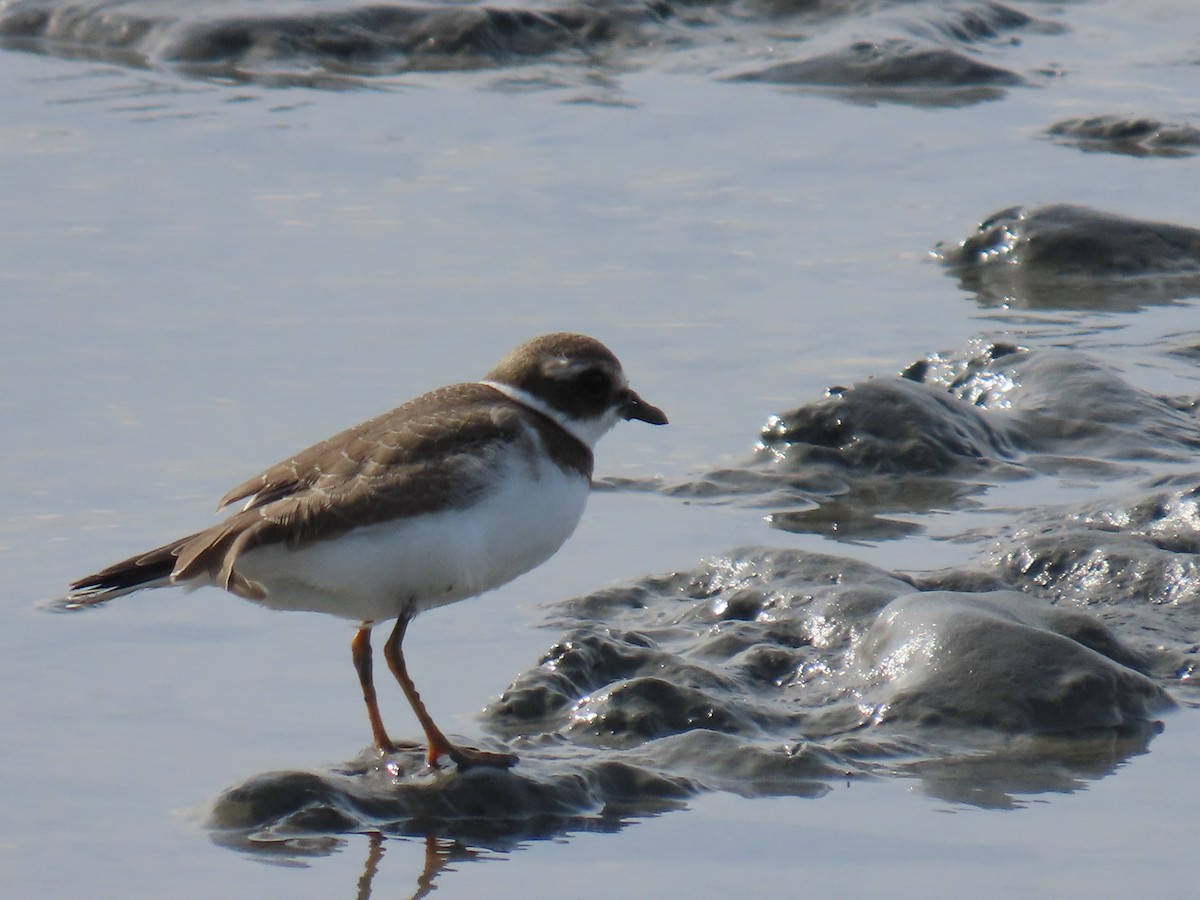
(371, 866)
(439, 853)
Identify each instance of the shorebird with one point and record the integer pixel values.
(450, 495)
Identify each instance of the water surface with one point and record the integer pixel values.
(217, 251)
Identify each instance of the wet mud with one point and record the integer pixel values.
(1128, 136)
(767, 673)
(1074, 257)
(861, 461)
(924, 54)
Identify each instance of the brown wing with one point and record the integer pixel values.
(404, 463)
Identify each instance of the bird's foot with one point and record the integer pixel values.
(462, 757)
(466, 757)
(386, 748)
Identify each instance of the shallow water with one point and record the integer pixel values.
(217, 251)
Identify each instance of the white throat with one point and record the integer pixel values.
(589, 431)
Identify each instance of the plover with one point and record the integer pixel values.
(452, 494)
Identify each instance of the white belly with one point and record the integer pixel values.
(377, 572)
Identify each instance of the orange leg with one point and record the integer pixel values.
(360, 647)
(439, 744)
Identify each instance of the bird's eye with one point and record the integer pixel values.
(593, 382)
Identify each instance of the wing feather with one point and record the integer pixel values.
(436, 449)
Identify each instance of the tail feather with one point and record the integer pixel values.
(151, 569)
